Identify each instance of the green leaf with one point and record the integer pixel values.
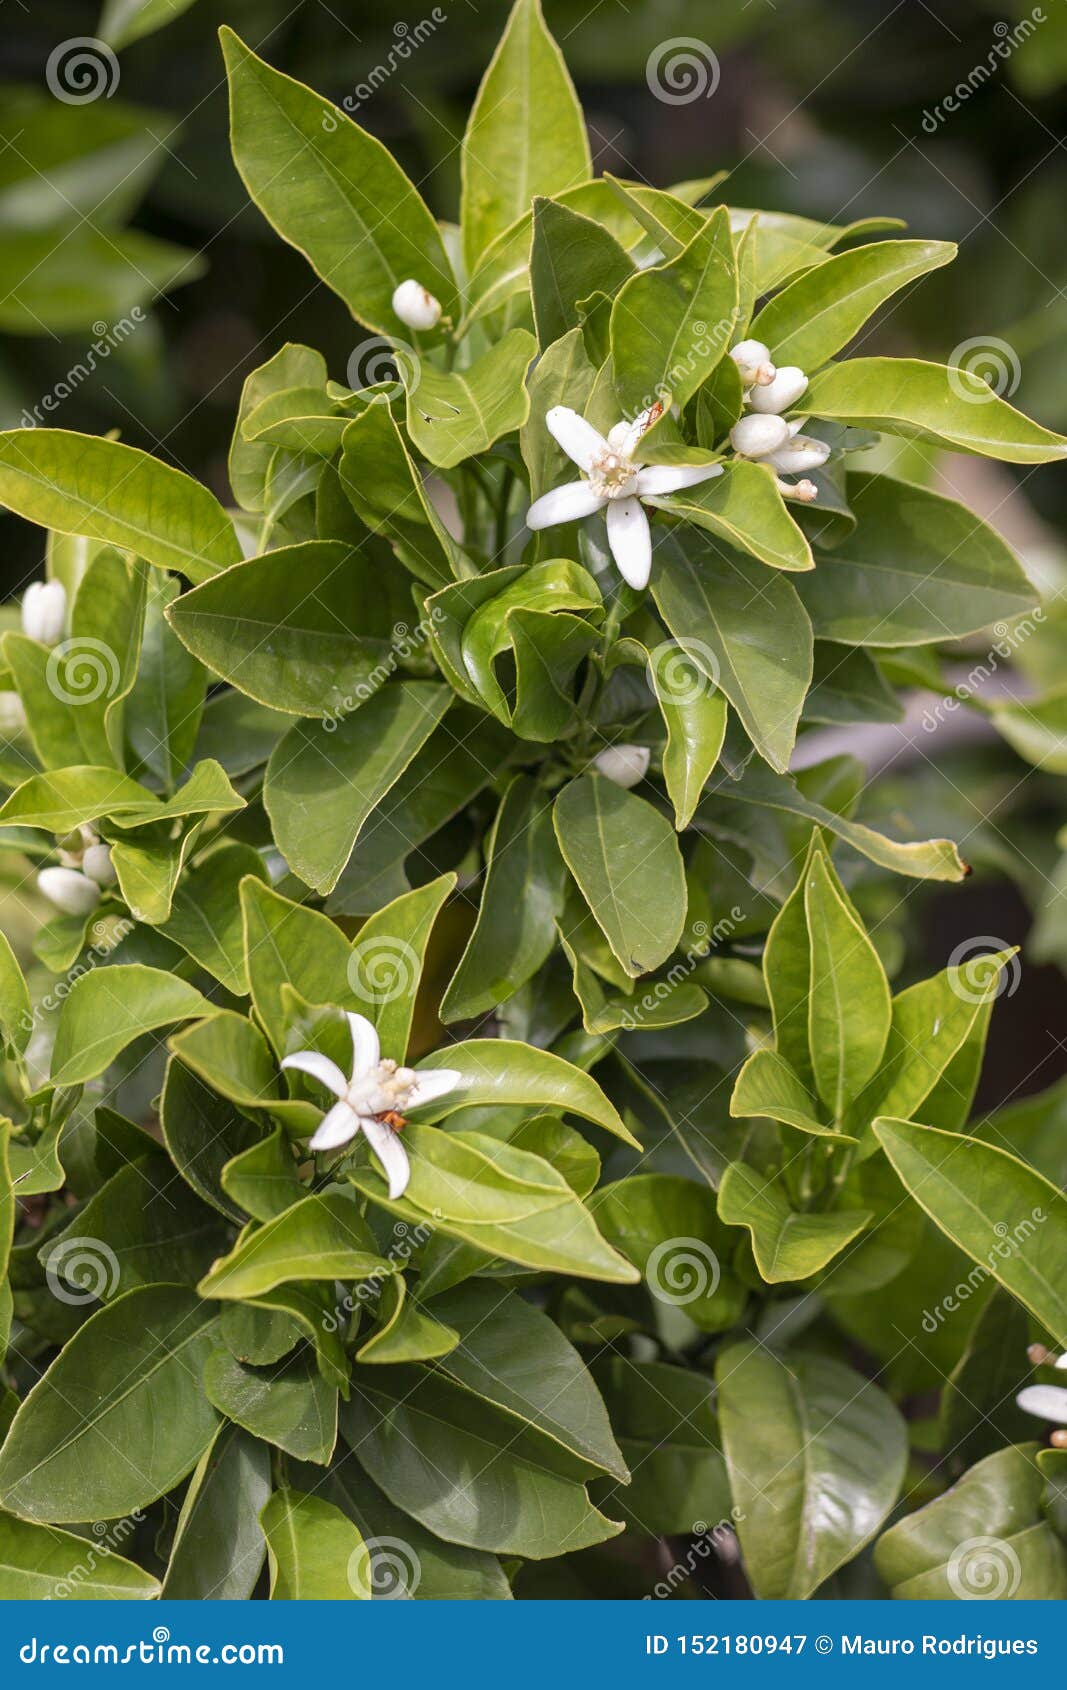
(16, 1013)
(290, 1405)
(263, 1180)
(124, 21)
(501, 1071)
(849, 1010)
(405, 1331)
(625, 857)
(332, 191)
(695, 716)
(205, 916)
(316, 1553)
(669, 1229)
(548, 651)
(323, 785)
(491, 1487)
(87, 279)
(917, 568)
(287, 944)
(456, 414)
(38, 1563)
(668, 1434)
(106, 491)
(386, 962)
(985, 1538)
(202, 1132)
(768, 1086)
(978, 1413)
(231, 1054)
(522, 896)
(822, 309)
(386, 491)
(525, 136)
(555, 585)
(571, 256)
(786, 1243)
(140, 1228)
(321, 1237)
(950, 407)
(816, 1456)
(744, 507)
(671, 324)
(1008, 1219)
(62, 800)
(76, 1448)
(165, 704)
(107, 1008)
(218, 1545)
(1037, 730)
(250, 460)
(746, 631)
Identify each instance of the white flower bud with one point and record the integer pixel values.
(804, 491)
(753, 362)
(415, 307)
(623, 764)
(786, 388)
(12, 714)
(754, 437)
(800, 453)
(68, 890)
(97, 864)
(44, 611)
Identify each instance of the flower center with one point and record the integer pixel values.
(387, 1089)
(613, 475)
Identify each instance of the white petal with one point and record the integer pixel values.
(670, 478)
(799, 454)
(623, 764)
(320, 1068)
(751, 356)
(754, 437)
(335, 1128)
(568, 503)
(1048, 1402)
(778, 395)
(579, 439)
(69, 890)
(630, 539)
(390, 1153)
(432, 1083)
(366, 1050)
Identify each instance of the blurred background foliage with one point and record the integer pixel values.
(832, 108)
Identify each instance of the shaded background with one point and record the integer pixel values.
(831, 108)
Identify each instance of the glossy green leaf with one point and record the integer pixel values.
(316, 1553)
(321, 1237)
(406, 1332)
(787, 1243)
(744, 507)
(695, 716)
(571, 256)
(38, 1563)
(106, 1009)
(669, 1229)
(202, 1132)
(768, 1086)
(289, 1405)
(668, 1433)
(141, 1228)
(386, 490)
(456, 414)
(218, 1546)
(162, 718)
(205, 916)
(849, 1009)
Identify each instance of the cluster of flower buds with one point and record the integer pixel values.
(416, 306)
(84, 870)
(763, 433)
(44, 612)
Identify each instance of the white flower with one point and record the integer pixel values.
(757, 437)
(44, 611)
(615, 477)
(772, 440)
(778, 395)
(97, 864)
(376, 1089)
(69, 890)
(415, 306)
(623, 764)
(753, 362)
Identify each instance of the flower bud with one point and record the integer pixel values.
(68, 890)
(754, 437)
(623, 764)
(44, 611)
(803, 491)
(800, 453)
(12, 714)
(97, 864)
(753, 362)
(415, 307)
(786, 388)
